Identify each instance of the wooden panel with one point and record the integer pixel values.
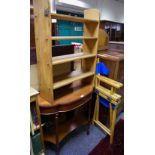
(70, 57)
(72, 18)
(91, 46)
(109, 81)
(34, 80)
(107, 92)
(72, 37)
(43, 48)
(73, 76)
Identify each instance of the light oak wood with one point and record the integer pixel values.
(91, 30)
(72, 37)
(73, 76)
(105, 91)
(43, 48)
(72, 18)
(103, 127)
(113, 122)
(111, 96)
(109, 81)
(71, 57)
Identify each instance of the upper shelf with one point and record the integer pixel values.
(72, 18)
(70, 57)
(71, 37)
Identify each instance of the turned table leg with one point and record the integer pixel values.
(89, 113)
(56, 133)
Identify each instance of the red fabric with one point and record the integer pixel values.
(117, 148)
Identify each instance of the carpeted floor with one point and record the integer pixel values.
(117, 148)
(79, 143)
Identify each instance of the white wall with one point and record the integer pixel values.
(112, 10)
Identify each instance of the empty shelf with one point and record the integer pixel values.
(69, 78)
(70, 57)
(72, 18)
(71, 37)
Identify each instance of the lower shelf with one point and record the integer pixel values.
(65, 128)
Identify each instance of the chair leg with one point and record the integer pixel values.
(56, 133)
(113, 124)
(110, 111)
(95, 109)
(89, 112)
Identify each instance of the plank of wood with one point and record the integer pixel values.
(109, 81)
(90, 46)
(107, 92)
(42, 27)
(70, 57)
(70, 78)
(72, 37)
(103, 127)
(72, 18)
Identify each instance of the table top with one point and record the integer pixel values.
(114, 55)
(33, 92)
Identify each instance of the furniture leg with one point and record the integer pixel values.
(89, 113)
(110, 111)
(94, 115)
(56, 133)
(113, 124)
(39, 119)
(97, 108)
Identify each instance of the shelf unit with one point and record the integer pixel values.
(43, 39)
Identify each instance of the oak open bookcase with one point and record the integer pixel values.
(63, 88)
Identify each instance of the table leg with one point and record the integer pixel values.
(56, 133)
(89, 121)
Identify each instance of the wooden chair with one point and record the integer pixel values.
(108, 98)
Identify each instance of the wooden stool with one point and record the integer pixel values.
(114, 101)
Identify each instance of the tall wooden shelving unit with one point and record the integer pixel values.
(52, 87)
(43, 39)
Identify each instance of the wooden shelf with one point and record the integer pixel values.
(70, 57)
(72, 18)
(65, 128)
(69, 78)
(72, 38)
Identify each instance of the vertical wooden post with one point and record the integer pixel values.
(91, 46)
(89, 113)
(113, 124)
(56, 132)
(39, 119)
(42, 25)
